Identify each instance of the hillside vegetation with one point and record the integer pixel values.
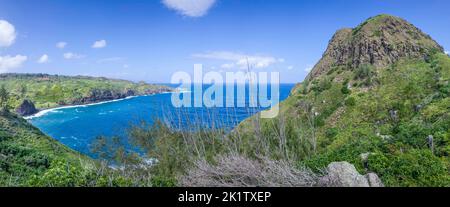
(47, 91)
(388, 114)
(27, 154)
(30, 158)
(378, 99)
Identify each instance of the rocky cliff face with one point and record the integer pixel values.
(379, 41)
(26, 108)
(108, 95)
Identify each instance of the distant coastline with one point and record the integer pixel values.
(45, 111)
(37, 94)
(48, 110)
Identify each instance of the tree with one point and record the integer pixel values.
(23, 90)
(365, 72)
(4, 96)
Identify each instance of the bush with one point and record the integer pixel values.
(163, 181)
(331, 132)
(365, 72)
(350, 101)
(345, 90)
(61, 174)
(322, 85)
(413, 168)
(413, 133)
(349, 151)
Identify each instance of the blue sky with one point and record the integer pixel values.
(150, 40)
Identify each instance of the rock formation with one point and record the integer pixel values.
(379, 41)
(344, 174)
(26, 108)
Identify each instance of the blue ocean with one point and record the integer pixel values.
(78, 126)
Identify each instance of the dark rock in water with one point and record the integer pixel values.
(26, 108)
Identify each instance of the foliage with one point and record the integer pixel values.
(394, 119)
(48, 91)
(4, 96)
(345, 90)
(60, 174)
(365, 72)
(413, 168)
(30, 158)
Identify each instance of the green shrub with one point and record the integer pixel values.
(331, 132)
(345, 90)
(61, 174)
(413, 168)
(350, 101)
(377, 33)
(413, 133)
(164, 181)
(364, 71)
(322, 85)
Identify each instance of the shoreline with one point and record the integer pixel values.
(45, 111)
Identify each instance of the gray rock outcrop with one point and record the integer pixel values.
(379, 41)
(344, 174)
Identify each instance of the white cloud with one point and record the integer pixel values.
(7, 34)
(446, 52)
(43, 59)
(290, 67)
(126, 66)
(227, 66)
(70, 55)
(308, 68)
(240, 60)
(61, 45)
(190, 8)
(8, 62)
(99, 44)
(110, 60)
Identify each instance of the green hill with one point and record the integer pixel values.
(47, 91)
(30, 158)
(27, 154)
(378, 98)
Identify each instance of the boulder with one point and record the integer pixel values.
(344, 174)
(26, 108)
(374, 180)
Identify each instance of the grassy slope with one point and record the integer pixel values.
(30, 158)
(48, 91)
(360, 120)
(388, 112)
(26, 153)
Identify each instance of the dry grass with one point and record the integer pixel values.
(233, 170)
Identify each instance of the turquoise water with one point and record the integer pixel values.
(77, 127)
